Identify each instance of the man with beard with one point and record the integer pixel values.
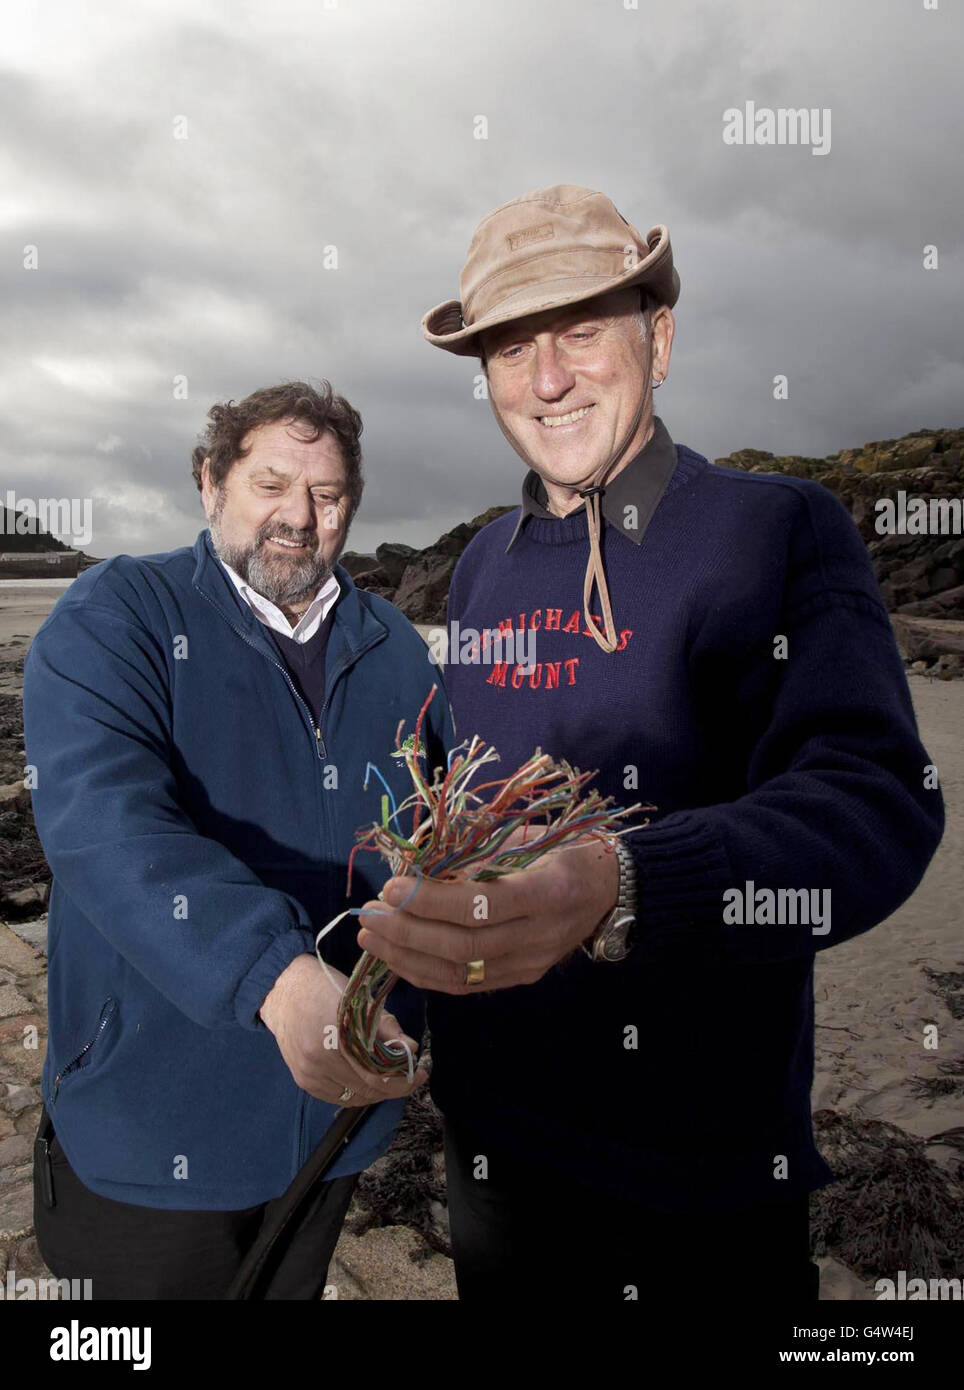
(200, 723)
(632, 1119)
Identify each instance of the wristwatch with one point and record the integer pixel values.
(611, 939)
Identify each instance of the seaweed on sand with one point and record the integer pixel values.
(22, 862)
(401, 1188)
(948, 985)
(949, 1082)
(892, 1206)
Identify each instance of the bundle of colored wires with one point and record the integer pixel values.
(457, 832)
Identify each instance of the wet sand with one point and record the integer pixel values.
(24, 605)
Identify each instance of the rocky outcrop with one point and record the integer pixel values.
(911, 568)
(24, 876)
(905, 496)
(356, 563)
(934, 645)
(417, 581)
(393, 558)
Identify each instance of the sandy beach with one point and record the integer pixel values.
(875, 995)
(24, 603)
(23, 606)
(872, 998)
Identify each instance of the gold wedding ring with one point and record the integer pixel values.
(475, 972)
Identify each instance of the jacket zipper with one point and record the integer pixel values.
(313, 727)
(335, 679)
(106, 1014)
(322, 752)
(303, 1150)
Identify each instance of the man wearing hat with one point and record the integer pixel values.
(623, 1046)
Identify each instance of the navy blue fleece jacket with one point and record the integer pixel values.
(198, 823)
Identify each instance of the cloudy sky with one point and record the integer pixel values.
(352, 124)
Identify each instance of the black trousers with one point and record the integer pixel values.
(524, 1235)
(138, 1252)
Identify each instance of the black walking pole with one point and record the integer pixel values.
(268, 1250)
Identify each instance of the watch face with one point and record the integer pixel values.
(612, 944)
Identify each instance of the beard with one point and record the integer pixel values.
(280, 578)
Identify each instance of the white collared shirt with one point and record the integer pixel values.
(271, 615)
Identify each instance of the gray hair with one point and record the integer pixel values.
(644, 315)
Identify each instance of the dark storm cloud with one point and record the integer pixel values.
(352, 127)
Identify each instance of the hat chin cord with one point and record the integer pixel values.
(608, 638)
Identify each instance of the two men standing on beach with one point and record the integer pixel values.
(623, 1069)
(626, 1119)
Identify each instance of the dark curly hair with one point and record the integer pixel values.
(316, 410)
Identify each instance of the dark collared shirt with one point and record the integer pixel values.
(628, 502)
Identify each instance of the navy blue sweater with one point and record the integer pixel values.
(197, 817)
(682, 1075)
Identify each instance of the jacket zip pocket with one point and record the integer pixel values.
(106, 1014)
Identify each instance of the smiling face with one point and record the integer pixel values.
(280, 517)
(568, 383)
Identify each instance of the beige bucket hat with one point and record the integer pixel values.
(547, 249)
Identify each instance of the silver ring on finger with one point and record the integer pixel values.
(345, 1096)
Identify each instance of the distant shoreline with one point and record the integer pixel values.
(6, 584)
